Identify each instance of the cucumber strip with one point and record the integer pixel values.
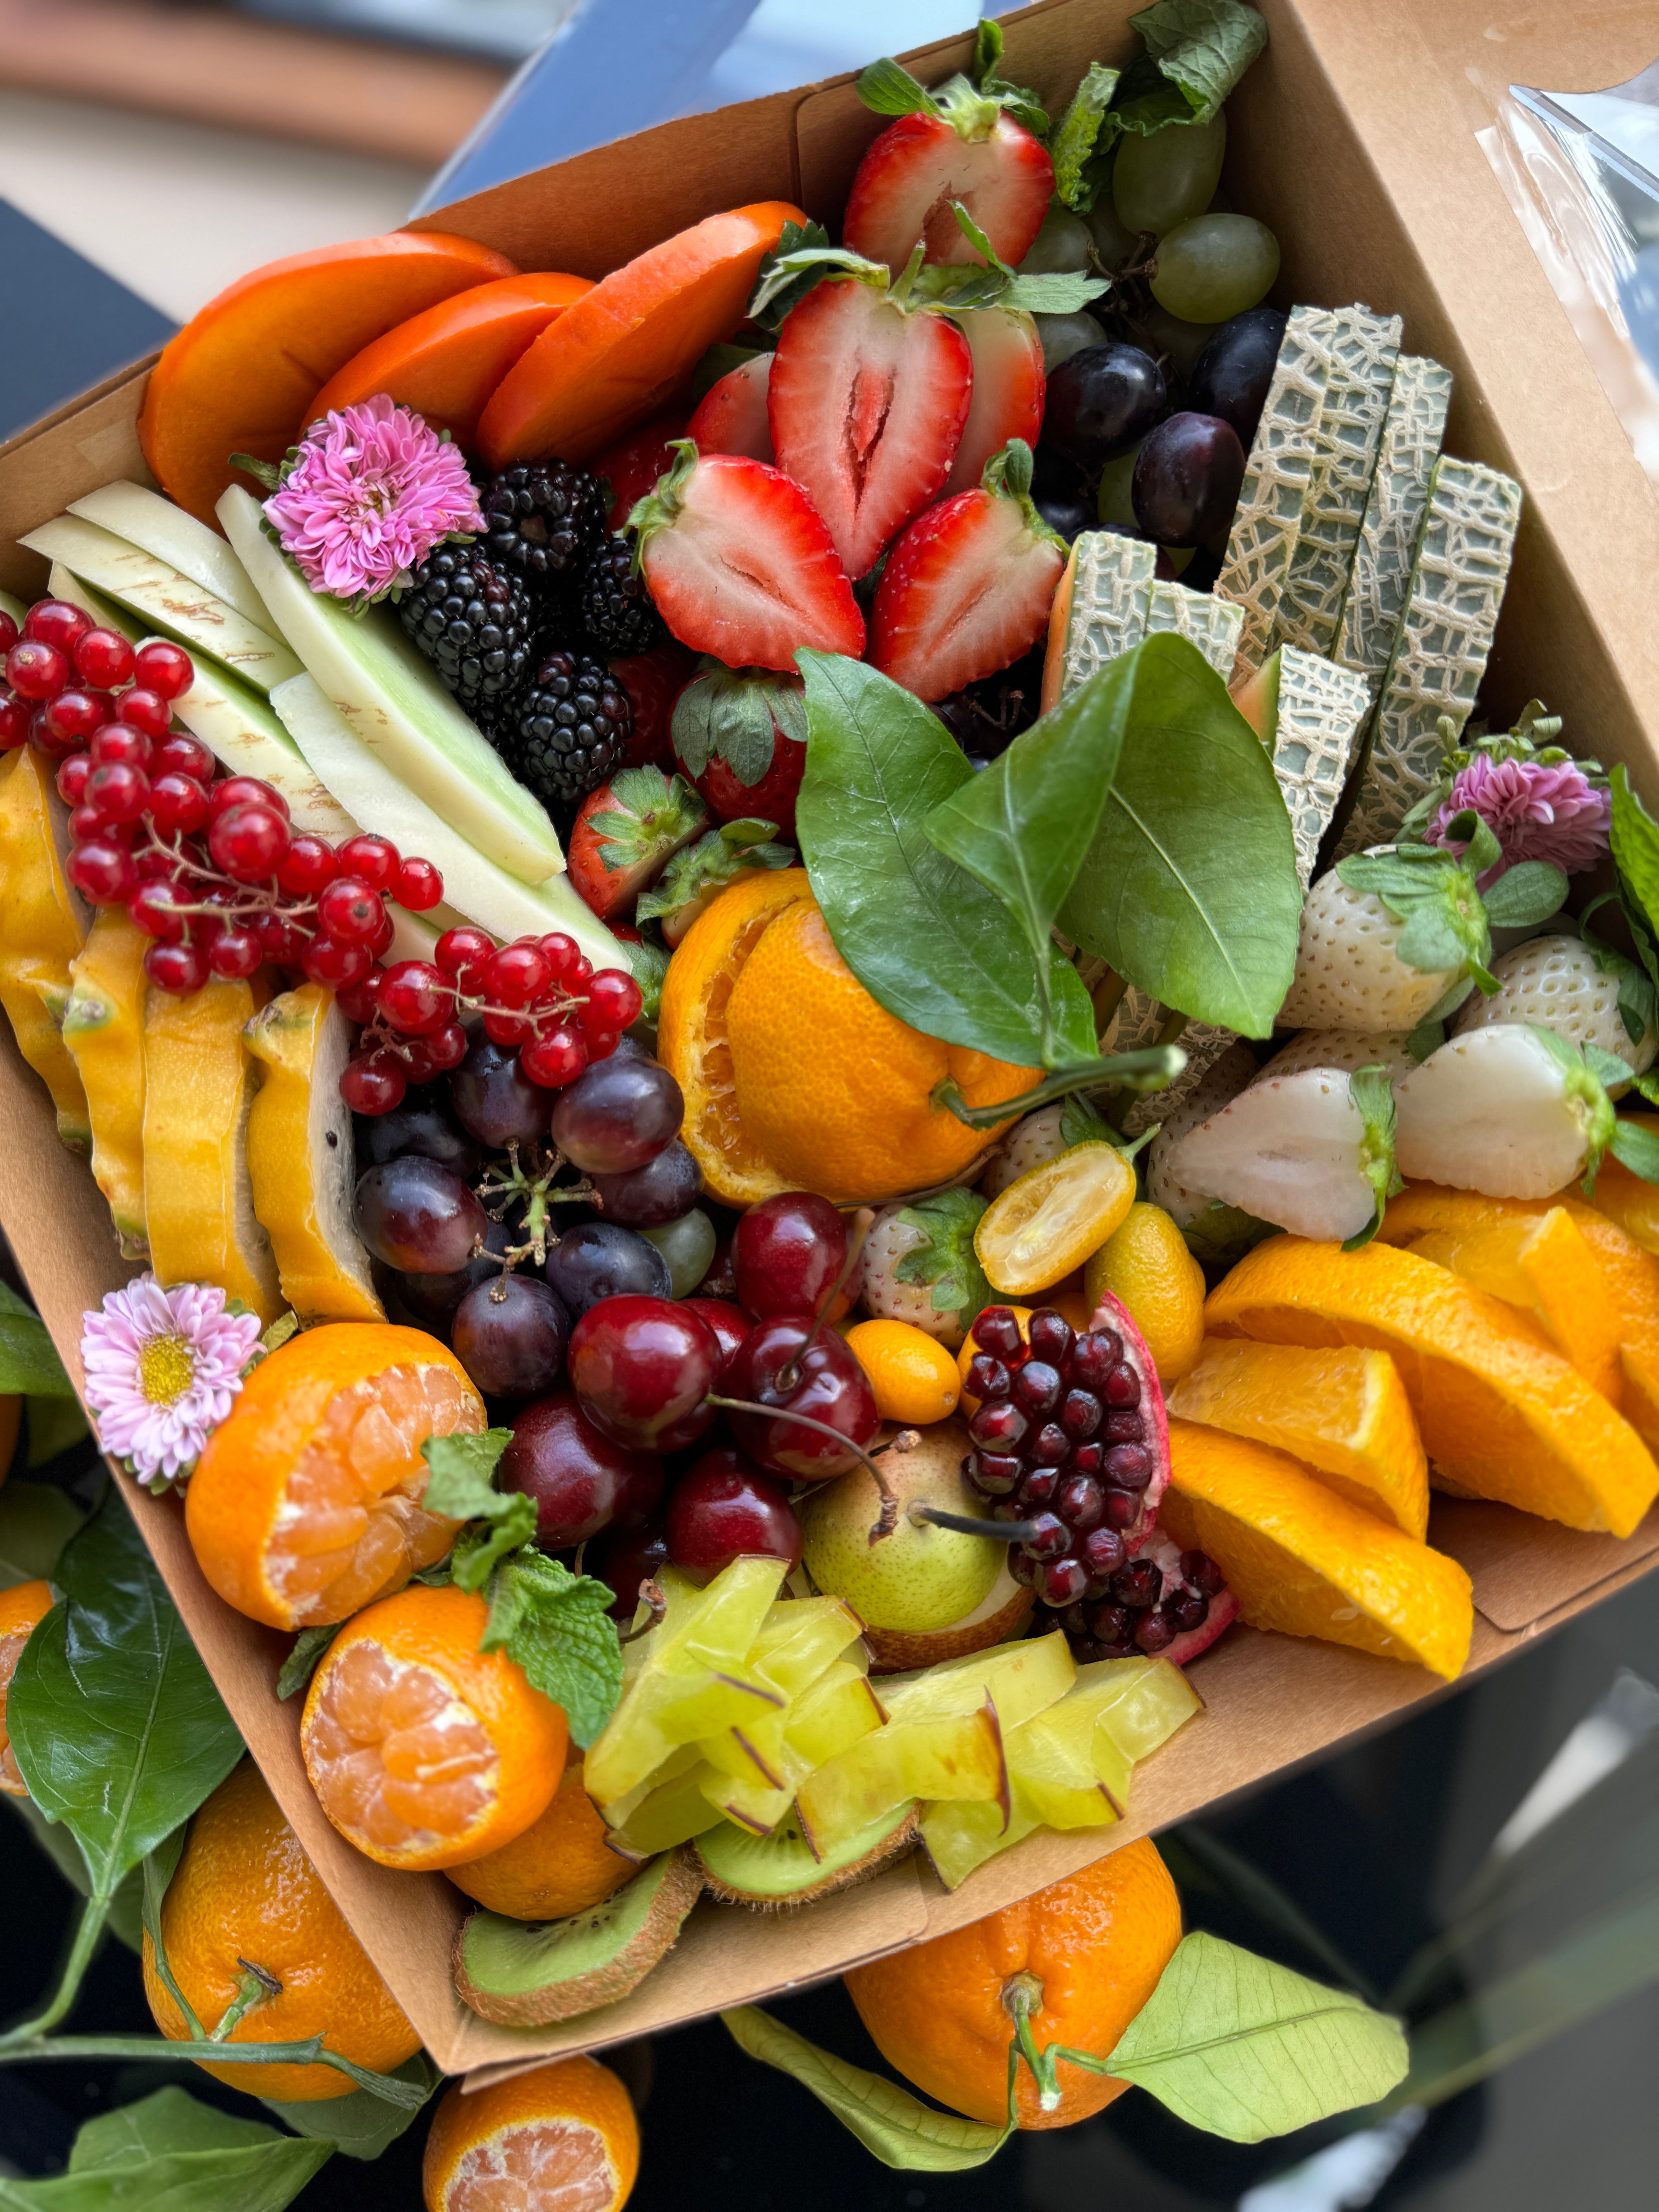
(155, 526)
(366, 785)
(234, 723)
(176, 604)
(391, 698)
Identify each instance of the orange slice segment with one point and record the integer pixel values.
(1343, 1413)
(694, 1040)
(561, 2138)
(1052, 1218)
(1544, 1265)
(1501, 1413)
(1307, 1563)
(307, 1502)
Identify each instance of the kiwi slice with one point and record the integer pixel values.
(778, 1870)
(529, 1974)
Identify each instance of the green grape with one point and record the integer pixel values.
(1212, 268)
(1064, 335)
(1060, 248)
(1182, 342)
(688, 1245)
(1115, 245)
(1114, 507)
(1168, 178)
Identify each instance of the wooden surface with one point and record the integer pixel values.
(212, 67)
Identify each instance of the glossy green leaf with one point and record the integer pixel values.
(461, 1485)
(887, 89)
(360, 2124)
(1635, 844)
(1190, 890)
(927, 940)
(114, 1720)
(54, 1424)
(894, 2126)
(36, 1521)
(28, 1359)
(170, 2153)
(1196, 53)
(944, 1261)
(1246, 2049)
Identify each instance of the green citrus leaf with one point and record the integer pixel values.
(36, 1521)
(28, 1359)
(170, 2153)
(360, 2124)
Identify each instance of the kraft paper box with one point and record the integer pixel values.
(1348, 138)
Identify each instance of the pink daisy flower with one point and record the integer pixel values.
(370, 492)
(1537, 811)
(162, 1370)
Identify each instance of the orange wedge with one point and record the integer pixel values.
(1344, 1412)
(1304, 1561)
(1501, 1413)
(1629, 1274)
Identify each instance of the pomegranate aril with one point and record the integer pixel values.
(1108, 1623)
(997, 1331)
(993, 1474)
(56, 622)
(248, 841)
(1061, 1582)
(348, 911)
(35, 670)
(149, 711)
(72, 778)
(1137, 1583)
(1186, 1609)
(165, 668)
(1128, 1467)
(987, 1377)
(1124, 1428)
(556, 1058)
(1200, 1572)
(307, 867)
(1086, 1458)
(1153, 1633)
(1101, 1553)
(1093, 1358)
(104, 656)
(1051, 1446)
(1049, 1538)
(235, 953)
(1080, 1414)
(999, 1425)
(178, 755)
(1022, 1567)
(1049, 1335)
(376, 861)
(419, 886)
(369, 1085)
(1122, 1507)
(1036, 1386)
(1122, 1387)
(1079, 1503)
(102, 872)
(1037, 1488)
(416, 998)
(461, 953)
(178, 969)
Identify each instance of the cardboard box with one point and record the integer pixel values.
(1331, 168)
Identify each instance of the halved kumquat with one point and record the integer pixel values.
(1053, 1218)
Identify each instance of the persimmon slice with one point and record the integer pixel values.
(615, 357)
(242, 376)
(445, 362)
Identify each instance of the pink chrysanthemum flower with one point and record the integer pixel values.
(372, 489)
(163, 1369)
(1537, 811)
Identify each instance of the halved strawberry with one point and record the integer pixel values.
(961, 147)
(1009, 384)
(653, 680)
(626, 833)
(731, 416)
(868, 394)
(741, 565)
(632, 465)
(740, 735)
(969, 587)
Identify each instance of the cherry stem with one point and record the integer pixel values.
(888, 1519)
(1001, 1532)
(790, 1376)
(658, 1603)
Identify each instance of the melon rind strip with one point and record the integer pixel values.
(1212, 625)
(1111, 596)
(1321, 707)
(1381, 577)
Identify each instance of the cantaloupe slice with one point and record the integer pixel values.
(104, 1032)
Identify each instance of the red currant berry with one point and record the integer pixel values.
(9, 632)
(280, 940)
(308, 866)
(372, 1085)
(600, 1044)
(147, 710)
(615, 1001)
(462, 953)
(165, 668)
(516, 975)
(72, 778)
(247, 842)
(102, 872)
(349, 911)
(446, 1047)
(326, 961)
(104, 656)
(235, 953)
(157, 867)
(112, 741)
(179, 969)
(359, 1002)
(15, 717)
(416, 998)
(419, 886)
(415, 1060)
(556, 1058)
(86, 822)
(509, 1029)
(35, 670)
(56, 622)
(381, 942)
(156, 910)
(179, 755)
(74, 717)
(178, 805)
(118, 791)
(561, 953)
(246, 791)
(375, 860)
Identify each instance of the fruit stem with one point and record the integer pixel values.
(790, 1376)
(965, 1524)
(254, 1987)
(887, 1521)
(1148, 1070)
(657, 1605)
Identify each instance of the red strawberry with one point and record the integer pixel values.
(740, 564)
(653, 682)
(693, 880)
(961, 147)
(626, 833)
(868, 399)
(969, 587)
(1008, 389)
(633, 465)
(730, 417)
(740, 735)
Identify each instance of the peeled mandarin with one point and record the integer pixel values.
(915, 1378)
(561, 2138)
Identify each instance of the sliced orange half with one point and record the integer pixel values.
(1500, 1412)
(1052, 1218)
(1305, 1562)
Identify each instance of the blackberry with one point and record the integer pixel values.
(617, 611)
(476, 623)
(543, 519)
(569, 732)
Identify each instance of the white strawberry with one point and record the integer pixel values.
(1559, 983)
(1028, 1145)
(1311, 1152)
(1349, 974)
(1512, 1112)
(1229, 1076)
(1344, 1050)
(918, 1265)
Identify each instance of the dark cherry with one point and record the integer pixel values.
(730, 1323)
(725, 1509)
(786, 1253)
(722, 1280)
(581, 1480)
(643, 1368)
(1231, 377)
(510, 1335)
(777, 1366)
(623, 1559)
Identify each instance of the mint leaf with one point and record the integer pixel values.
(460, 1488)
(301, 1664)
(649, 963)
(1060, 293)
(1083, 134)
(945, 1261)
(29, 1365)
(557, 1626)
(1019, 100)
(1196, 53)
(887, 89)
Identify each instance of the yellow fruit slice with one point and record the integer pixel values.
(300, 1159)
(43, 926)
(1053, 1218)
(1020, 1679)
(693, 1042)
(1546, 1268)
(1344, 1412)
(1147, 1264)
(104, 1032)
(1500, 1412)
(949, 1757)
(1304, 1561)
(199, 1093)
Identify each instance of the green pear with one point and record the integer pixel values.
(921, 1578)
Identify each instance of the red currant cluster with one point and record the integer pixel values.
(539, 996)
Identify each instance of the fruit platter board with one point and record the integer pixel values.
(825, 1072)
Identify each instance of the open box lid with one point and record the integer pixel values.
(1273, 1702)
